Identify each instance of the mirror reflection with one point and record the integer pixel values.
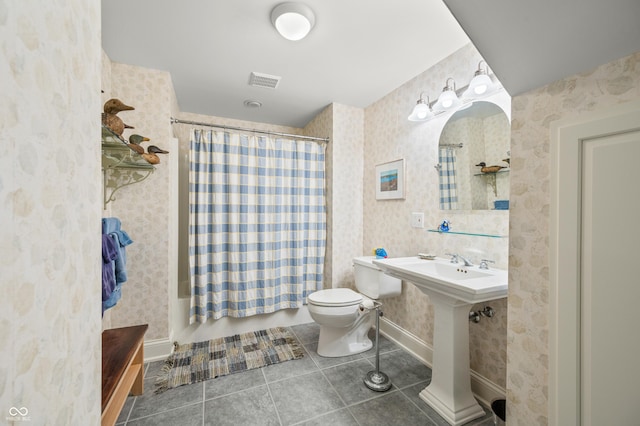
(474, 159)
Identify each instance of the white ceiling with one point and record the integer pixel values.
(531, 43)
(359, 51)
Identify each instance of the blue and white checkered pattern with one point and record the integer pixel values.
(447, 174)
(257, 223)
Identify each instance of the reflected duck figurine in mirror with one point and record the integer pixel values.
(489, 169)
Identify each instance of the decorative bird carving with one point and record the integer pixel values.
(152, 154)
(489, 169)
(134, 143)
(110, 119)
(155, 150)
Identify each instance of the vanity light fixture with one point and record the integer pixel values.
(293, 20)
(448, 99)
(480, 85)
(422, 111)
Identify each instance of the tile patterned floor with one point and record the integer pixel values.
(309, 391)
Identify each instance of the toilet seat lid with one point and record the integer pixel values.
(335, 297)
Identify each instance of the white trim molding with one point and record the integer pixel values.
(157, 350)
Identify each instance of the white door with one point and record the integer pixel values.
(610, 280)
(595, 270)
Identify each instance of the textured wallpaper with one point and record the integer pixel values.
(143, 207)
(345, 126)
(346, 194)
(390, 136)
(50, 212)
(322, 125)
(609, 84)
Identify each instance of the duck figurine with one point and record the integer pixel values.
(152, 154)
(110, 119)
(489, 169)
(155, 150)
(134, 143)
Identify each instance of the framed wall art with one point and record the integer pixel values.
(390, 180)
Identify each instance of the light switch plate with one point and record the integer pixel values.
(417, 220)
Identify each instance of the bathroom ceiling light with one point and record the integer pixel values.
(480, 85)
(293, 20)
(448, 98)
(422, 110)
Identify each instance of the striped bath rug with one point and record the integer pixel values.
(196, 362)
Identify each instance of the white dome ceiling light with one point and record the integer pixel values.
(293, 20)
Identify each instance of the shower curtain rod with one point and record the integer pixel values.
(266, 132)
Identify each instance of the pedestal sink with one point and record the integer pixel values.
(453, 289)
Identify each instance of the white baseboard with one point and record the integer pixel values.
(483, 389)
(157, 350)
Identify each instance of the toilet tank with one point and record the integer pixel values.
(372, 282)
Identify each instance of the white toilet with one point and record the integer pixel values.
(343, 325)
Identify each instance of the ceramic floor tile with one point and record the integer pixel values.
(191, 415)
(151, 403)
(126, 409)
(412, 393)
(391, 409)
(231, 383)
(154, 369)
(348, 381)
(306, 333)
(304, 397)
(249, 407)
(402, 368)
(337, 418)
(312, 391)
(323, 362)
(386, 345)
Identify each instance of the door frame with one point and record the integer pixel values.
(567, 136)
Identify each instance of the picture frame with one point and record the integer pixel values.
(390, 180)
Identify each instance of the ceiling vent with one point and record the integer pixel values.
(264, 80)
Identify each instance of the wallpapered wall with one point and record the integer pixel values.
(143, 207)
(390, 136)
(50, 212)
(607, 85)
(345, 125)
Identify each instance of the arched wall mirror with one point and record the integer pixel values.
(476, 135)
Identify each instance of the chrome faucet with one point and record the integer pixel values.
(484, 262)
(454, 257)
(466, 261)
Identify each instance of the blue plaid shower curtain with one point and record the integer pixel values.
(447, 175)
(257, 223)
